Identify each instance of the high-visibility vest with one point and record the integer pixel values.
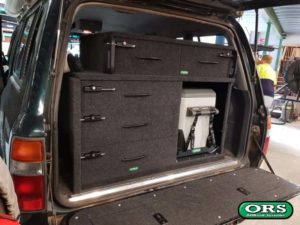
(265, 71)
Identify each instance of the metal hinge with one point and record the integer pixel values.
(261, 111)
(256, 131)
(47, 126)
(254, 79)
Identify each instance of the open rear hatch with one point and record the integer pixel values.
(213, 200)
(228, 7)
(128, 123)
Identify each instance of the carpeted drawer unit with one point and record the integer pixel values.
(120, 128)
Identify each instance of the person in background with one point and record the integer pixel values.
(8, 197)
(268, 79)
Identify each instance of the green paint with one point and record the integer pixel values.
(133, 169)
(266, 210)
(267, 35)
(8, 35)
(2, 11)
(278, 53)
(274, 19)
(196, 150)
(184, 72)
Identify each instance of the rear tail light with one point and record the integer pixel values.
(27, 150)
(30, 192)
(27, 169)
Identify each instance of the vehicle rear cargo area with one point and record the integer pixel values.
(213, 200)
(135, 104)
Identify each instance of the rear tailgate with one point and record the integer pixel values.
(213, 200)
(228, 7)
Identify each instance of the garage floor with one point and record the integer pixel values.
(284, 156)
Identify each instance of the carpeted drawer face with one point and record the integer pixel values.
(136, 110)
(148, 57)
(207, 61)
(128, 160)
(130, 124)
(130, 54)
(115, 96)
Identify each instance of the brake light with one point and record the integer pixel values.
(27, 168)
(30, 192)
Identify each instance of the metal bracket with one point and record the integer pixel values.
(160, 218)
(92, 118)
(201, 111)
(93, 88)
(92, 155)
(122, 44)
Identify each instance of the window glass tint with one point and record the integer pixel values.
(211, 39)
(32, 44)
(13, 42)
(21, 47)
(208, 39)
(214, 39)
(74, 45)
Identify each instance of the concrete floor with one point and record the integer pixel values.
(284, 156)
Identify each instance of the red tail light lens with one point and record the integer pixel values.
(30, 191)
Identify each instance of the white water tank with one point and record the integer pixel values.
(196, 98)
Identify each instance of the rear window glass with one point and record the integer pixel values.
(20, 49)
(214, 39)
(74, 45)
(211, 39)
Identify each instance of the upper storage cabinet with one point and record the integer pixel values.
(122, 53)
(205, 60)
(130, 54)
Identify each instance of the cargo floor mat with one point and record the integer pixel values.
(213, 200)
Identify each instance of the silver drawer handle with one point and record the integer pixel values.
(92, 118)
(93, 88)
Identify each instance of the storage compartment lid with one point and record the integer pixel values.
(197, 93)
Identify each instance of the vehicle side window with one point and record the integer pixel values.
(13, 41)
(20, 48)
(74, 45)
(210, 39)
(32, 46)
(13, 44)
